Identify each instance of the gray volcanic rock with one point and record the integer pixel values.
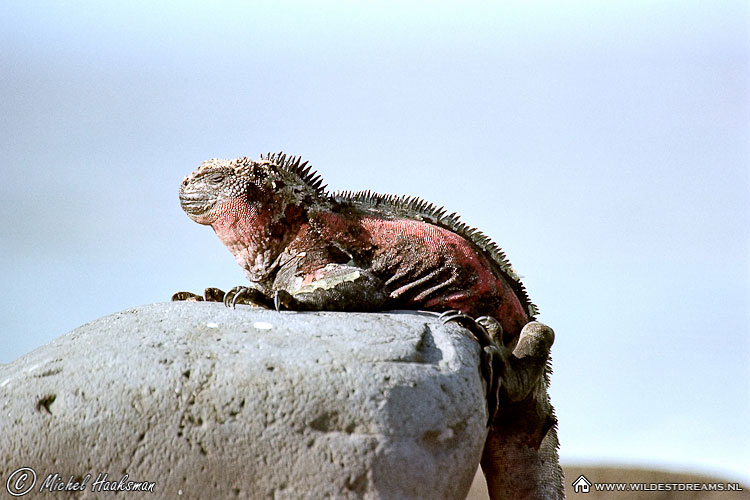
(209, 402)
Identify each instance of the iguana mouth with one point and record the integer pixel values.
(196, 203)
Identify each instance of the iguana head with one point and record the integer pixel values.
(220, 188)
(253, 205)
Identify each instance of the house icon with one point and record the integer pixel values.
(581, 485)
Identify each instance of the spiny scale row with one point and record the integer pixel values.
(403, 203)
(295, 165)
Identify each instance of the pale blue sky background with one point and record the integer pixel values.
(603, 145)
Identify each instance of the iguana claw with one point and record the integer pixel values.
(283, 299)
(237, 295)
(478, 329)
(247, 295)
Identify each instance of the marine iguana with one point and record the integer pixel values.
(303, 248)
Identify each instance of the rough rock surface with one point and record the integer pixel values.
(209, 402)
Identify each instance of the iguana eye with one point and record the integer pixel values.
(217, 177)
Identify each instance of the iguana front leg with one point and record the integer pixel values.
(334, 287)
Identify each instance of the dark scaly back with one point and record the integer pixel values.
(407, 207)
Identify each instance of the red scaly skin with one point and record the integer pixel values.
(431, 274)
(446, 262)
(251, 236)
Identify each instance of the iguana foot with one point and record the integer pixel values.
(247, 295)
(511, 374)
(489, 334)
(209, 295)
(252, 296)
(186, 297)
